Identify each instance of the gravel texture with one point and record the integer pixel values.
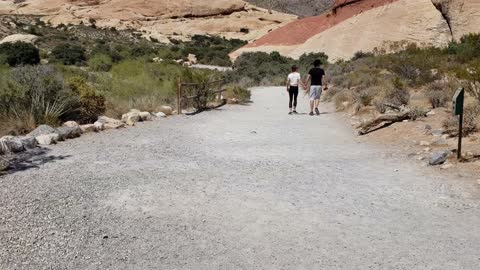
(245, 187)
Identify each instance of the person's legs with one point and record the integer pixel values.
(295, 98)
(312, 98)
(290, 95)
(317, 100)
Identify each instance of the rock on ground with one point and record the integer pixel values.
(4, 164)
(19, 38)
(439, 158)
(42, 130)
(88, 128)
(10, 144)
(66, 133)
(48, 139)
(110, 123)
(167, 110)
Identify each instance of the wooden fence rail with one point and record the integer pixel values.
(200, 94)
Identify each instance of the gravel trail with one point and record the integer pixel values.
(245, 187)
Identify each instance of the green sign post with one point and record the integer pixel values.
(458, 104)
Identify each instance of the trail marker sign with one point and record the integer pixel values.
(458, 105)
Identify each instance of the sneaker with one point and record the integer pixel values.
(317, 111)
(311, 114)
(295, 112)
(290, 113)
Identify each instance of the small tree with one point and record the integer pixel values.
(470, 74)
(19, 53)
(69, 54)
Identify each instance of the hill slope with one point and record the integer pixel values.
(301, 8)
(363, 25)
(160, 18)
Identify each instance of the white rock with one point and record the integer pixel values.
(88, 128)
(48, 139)
(19, 37)
(167, 110)
(110, 123)
(146, 116)
(161, 114)
(192, 58)
(99, 126)
(424, 143)
(446, 166)
(71, 124)
(431, 113)
(131, 118)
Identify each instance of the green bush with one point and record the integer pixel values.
(69, 54)
(438, 94)
(19, 53)
(241, 94)
(90, 104)
(100, 62)
(36, 91)
(467, 49)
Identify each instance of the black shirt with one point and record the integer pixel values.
(317, 75)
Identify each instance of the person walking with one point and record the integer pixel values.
(294, 81)
(316, 78)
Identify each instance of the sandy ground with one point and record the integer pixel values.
(247, 187)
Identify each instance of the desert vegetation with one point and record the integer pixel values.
(67, 76)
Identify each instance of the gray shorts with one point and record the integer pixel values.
(315, 92)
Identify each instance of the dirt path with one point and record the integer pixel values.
(248, 187)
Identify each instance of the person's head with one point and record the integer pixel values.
(317, 63)
(294, 69)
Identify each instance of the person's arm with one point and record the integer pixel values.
(288, 83)
(325, 82)
(302, 83)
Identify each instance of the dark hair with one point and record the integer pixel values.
(317, 63)
(294, 68)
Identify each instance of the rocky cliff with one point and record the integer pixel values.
(158, 18)
(363, 25)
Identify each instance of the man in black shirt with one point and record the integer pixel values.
(316, 78)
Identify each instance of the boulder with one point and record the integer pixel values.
(69, 132)
(167, 110)
(19, 38)
(160, 115)
(47, 139)
(42, 130)
(4, 164)
(439, 158)
(192, 58)
(10, 144)
(110, 123)
(146, 116)
(28, 142)
(99, 126)
(88, 128)
(131, 118)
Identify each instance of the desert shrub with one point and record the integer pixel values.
(239, 93)
(342, 100)
(259, 65)
(470, 74)
(100, 62)
(36, 91)
(470, 122)
(19, 53)
(361, 54)
(466, 49)
(363, 97)
(90, 104)
(437, 94)
(116, 52)
(398, 94)
(141, 50)
(69, 54)
(305, 62)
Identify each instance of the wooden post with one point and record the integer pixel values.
(460, 136)
(179, 96)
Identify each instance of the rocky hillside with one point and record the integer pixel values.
(301, 8)
(365, 25)
(158, 18)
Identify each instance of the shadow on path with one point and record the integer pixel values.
(30, 159)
